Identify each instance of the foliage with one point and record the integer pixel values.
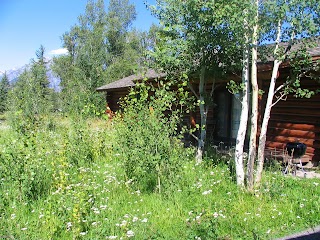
(196, 41)
(31, 98)
(91, 200)
(4, 90)
(147, 136)
(102, 48)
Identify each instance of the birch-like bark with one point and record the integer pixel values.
(203, 115)
(267, 112)
(254, 102)
(241, 136)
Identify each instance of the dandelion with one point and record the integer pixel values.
(130, 233)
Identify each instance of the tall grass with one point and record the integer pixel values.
(68, 182)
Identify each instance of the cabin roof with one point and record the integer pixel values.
(130, 80)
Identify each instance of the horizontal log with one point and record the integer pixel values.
(294, 126)
(282, 139)
(296, 112)
(293, 105)
(296, 120)
(292, 133)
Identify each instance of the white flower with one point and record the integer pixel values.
(130, 233)
(135, 219)
(83, 233)
(206, 192)
(13, 216)
(315, 183)
(23, 229)
(112, 237)
(144, 220)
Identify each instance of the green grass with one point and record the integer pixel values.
(89, 196)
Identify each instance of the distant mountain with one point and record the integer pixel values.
(13, 75)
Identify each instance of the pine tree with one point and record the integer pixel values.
(4, 90)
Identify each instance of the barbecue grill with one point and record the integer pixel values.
(294, 152)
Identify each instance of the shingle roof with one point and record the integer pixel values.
(130, 80)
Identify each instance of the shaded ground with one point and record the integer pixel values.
(310, 234)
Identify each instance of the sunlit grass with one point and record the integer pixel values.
(90, 197)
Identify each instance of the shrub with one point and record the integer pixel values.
(147, 137)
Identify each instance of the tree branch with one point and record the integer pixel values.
(283, 97)
(193, 91)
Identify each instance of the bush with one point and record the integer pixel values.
(147, 138)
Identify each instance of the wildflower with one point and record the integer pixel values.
(216, 214)
(144, 220)
(23, 229)
(130, 233)
(69, 225)
(315, 183)
(83, 233)
(112, 237)
(301, 205)
(268, 231)
(13, 216)
(135, 219)
(206, 192)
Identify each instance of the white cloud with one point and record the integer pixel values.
(58, 51)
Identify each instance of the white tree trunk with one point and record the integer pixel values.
(254, 103)
(203, 115)
(265, 122)
(267, 112)
(241, 136)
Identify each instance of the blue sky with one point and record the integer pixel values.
(26, 24)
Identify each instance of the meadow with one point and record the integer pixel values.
(68, 179)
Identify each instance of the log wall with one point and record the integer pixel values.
(296, 119)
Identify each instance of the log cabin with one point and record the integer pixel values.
(293, 119)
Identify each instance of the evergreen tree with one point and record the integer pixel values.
(4, 89)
